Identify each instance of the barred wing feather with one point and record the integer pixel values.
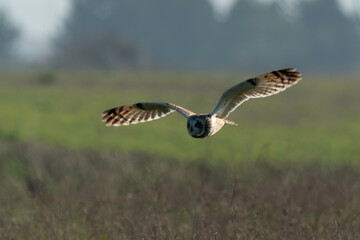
(261, 86)
(140, 112)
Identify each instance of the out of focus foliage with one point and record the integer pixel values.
(184, 34)
(8, 36)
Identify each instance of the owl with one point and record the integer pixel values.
(205, 125)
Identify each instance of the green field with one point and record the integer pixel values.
(290, 170)
(317, 120)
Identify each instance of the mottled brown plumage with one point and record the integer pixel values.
(140, 112)
(200, 126)
(260, 86)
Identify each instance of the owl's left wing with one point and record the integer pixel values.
(141, 112)
(263, 85)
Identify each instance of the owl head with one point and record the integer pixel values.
(198, 126)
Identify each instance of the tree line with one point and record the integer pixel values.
(8, 35)
(185, 35)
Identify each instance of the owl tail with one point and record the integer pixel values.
(230, 122)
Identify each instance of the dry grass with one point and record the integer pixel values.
(54, 193)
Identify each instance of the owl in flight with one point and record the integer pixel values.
(205, 125)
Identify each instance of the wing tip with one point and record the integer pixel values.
(290, 69)
(108, 117)
(290, 73)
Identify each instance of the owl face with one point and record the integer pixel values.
(197, 126)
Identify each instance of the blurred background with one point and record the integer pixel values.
(290, 170)
(204, 35)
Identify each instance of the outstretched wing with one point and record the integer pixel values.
(261, 86)
(141, 112)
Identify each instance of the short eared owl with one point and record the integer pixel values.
(205, 125)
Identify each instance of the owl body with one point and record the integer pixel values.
(205, 125)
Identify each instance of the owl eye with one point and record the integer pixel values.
(197, 125)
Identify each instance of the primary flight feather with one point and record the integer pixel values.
(204, 125)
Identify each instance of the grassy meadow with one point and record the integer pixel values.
(318, 119)
(290, 170)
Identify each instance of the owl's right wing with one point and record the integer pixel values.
(264, 85)
(141, 112)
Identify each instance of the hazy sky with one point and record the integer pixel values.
(40, 19)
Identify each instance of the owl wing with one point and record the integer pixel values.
(140, 112)
(260, 86)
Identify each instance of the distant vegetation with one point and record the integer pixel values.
(185, 35)
(8, 35)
